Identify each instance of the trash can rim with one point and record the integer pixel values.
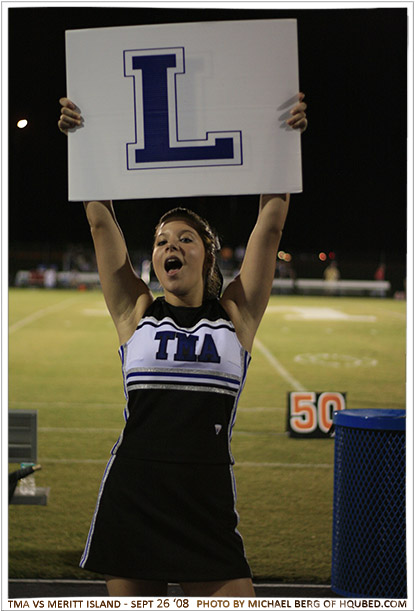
(371, 418)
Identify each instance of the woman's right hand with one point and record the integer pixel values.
(70, 118)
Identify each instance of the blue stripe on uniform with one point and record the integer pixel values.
(184, 375)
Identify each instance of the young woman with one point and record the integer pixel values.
(166, 506)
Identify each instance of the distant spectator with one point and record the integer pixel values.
(380, 272)
(50, 277)
(380, 276)
(401, 295)
(331, 276)
(332, 273)
(36, 277)
(284, 269)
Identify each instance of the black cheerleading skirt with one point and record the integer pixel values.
(174, 522)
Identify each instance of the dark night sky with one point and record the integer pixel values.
(353, 69)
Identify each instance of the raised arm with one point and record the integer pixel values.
(246, 297)
(126, 295)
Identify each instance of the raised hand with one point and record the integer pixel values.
(298, 119)
(70, 117)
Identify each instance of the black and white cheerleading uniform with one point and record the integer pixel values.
(166, 505)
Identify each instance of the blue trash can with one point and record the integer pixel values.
(369, 526)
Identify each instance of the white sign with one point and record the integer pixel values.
(183, 110)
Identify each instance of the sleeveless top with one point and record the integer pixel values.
(183, 371)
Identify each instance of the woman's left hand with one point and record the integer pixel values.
(298, 119)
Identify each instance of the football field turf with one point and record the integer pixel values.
(63, 362)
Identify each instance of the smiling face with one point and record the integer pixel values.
(178, 261)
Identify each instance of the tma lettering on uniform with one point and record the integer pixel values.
(186, 347)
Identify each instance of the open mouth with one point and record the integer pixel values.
(172, 264)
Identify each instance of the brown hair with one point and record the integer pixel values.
(210, 239)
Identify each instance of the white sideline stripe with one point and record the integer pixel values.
(67, 404)
(39, 314)
(54, 581)
(295, 384)
(92, 582)
(301, 466)
(88, 461)
(293, 585)
(79, 429)
(313, 466)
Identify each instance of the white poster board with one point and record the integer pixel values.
(183, 110)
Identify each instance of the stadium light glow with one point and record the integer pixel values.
(281, 254)
(287, 257)
(22, 123)
(322, 256)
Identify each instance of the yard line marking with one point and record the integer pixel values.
(262, 409)
(318, 313)
(79, 429)
(258, 433)
(40, 313)
(297, 386)
(89, 461)
(96, 312)
(334, 360)
(314, 466)
(317, 466)
(67, 404)
(400, 315)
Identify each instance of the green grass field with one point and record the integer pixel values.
(63, 362)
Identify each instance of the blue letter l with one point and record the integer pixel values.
(159, 112)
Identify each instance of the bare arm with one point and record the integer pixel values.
(126, 295)
(246, 298)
